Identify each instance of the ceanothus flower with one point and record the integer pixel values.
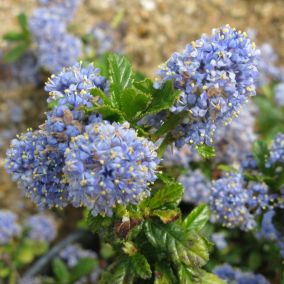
(269, 232)
(62, 52)
(232, 275)
(196, 187)
(72, 254)
(109, 165)
(279, 94)
(228, 202)
(219, 240)
(56, 48)
(73, 84)
(174, 156)
(41, 227)
(70, 91)
(234, 141)
(37, 168)
(268, 70)
(216, 75)
(9, 228)
(277, 150)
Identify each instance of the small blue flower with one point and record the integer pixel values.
(219, 240)
(279, 94)
(109, 165)
(277, 150)
(56, 48)
(37, 167)
(9, 228)
(229, 203)
(227, 272)
(234, 141)
(215, 74)
(41, 227)
(196, 187)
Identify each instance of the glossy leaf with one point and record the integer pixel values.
(84, 267)
(206, 152)
(60, 271)
(197, 218)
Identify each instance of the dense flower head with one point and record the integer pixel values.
(174, 156)
(277, 150)
(73, 84)
(279, 94)
(56, 48)
(215, 74)
(104, 38)
(234, 141)
(219, 240)
(41, 227)
(259, 197)
(9, 228)
(268, 70)
(196, 187)
(72, 254)
(109, 165)
(269, 232)
(37, 167)
(56, 54)
(227, 272)
(228, 203)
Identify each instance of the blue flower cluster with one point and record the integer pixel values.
(269, 232)
(174, 156)
(37, 167)
(72, 254)
(219, 240)
(41, 227)
(9, 228)
(227, 272)
(268, 70)
(277, 150)
(235, 204)
(215, 74)
(78, 158)
(234, 141)
(56, 48)
(196, 187)
(109, 165)
(70, 91)
(279, 94)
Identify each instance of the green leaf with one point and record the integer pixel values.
(171, 193)
(197, 218)
(99, 93)
(84, 267)
(206, 152)
(98, 222)
(162, 98)
(15, 53)
(186, 275)
(140, 266)
(109, 113)
(14, 36)
(120, 76)
(23, 22)
(177, 243)
(167, 215)
(60, 271)
(261, 153)
(133, 103)
(209, 278)
(164, 274)
(117, 273)
(102, 63)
